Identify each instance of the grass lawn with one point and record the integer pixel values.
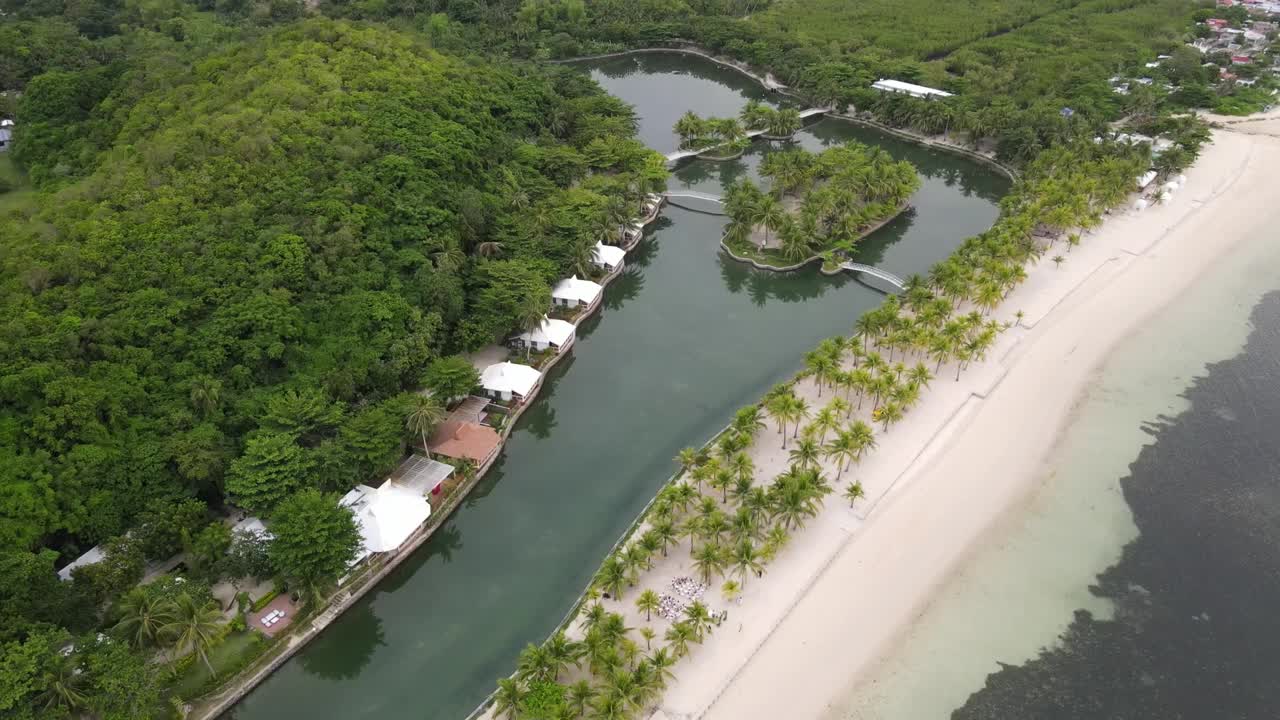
(226, 658)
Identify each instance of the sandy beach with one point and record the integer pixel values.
(852, 582)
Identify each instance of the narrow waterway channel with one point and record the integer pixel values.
(685, 337)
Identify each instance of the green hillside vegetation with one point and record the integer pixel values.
(1013, 65)
(821, 203)
(240, 264)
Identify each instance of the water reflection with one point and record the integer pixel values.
(341, 656)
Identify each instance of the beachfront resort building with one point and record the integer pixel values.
(608, 257)
(906, 88)
(574, 292)
(386, 515)
(552, 333)
(509, 381)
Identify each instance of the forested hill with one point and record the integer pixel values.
(269, 252)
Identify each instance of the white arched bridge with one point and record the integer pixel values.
(876, 272)
(695, 195)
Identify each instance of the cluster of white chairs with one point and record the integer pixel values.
(272, 618)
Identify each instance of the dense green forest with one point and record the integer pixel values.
(247, 246)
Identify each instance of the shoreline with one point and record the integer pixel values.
(949, 466)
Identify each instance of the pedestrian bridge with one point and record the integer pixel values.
(885, 275)
(676, 195)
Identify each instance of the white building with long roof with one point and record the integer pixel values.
(906, 88)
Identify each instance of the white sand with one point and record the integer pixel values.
(846, 589)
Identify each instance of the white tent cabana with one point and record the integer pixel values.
(387, 516)
(573, 291)
(551, 333)
(505, 380)
(608, 256)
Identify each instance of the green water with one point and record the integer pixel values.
(685, 337)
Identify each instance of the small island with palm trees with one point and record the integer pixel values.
(727, 138)
(820, 205)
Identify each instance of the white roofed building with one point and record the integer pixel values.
(93, 556)
(508, 380)
(574, 292)
(608, 257)
(906, 88)
(552, 333)
(386, 516)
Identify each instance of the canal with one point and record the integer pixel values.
(685, 337)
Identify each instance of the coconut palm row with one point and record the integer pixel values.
(734, 526)
(841, 192)
(623, 677)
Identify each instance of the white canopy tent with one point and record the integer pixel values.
(574, 291)
(387, 516)
(506, 379)
(551, 333)
(608, 256)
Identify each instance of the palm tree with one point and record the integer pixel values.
(535, 664)
(661, 661)
(843, 448)
(692, 529)
(561, 652)
(193, 628)
(64, 682)
(612, 576)
(665, 531)
(890, 413)
(769, 213)
(805, 453)
(742, 468)
(425, 413)
(709, 559)
(696, 613)
(206, 394)
(648, 634)
(731, 589)
(688, 459)
(646, 603)
(678, 637)
(854, 492)
(579, 697)
(143, 616)
(864, 438)
(530, 315)
(797, 410)
(721, 481)
(826, 420)
(746, 560)
(748, 421)
(507, 701)
(779, 407)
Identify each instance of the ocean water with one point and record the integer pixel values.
(1142, 578)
